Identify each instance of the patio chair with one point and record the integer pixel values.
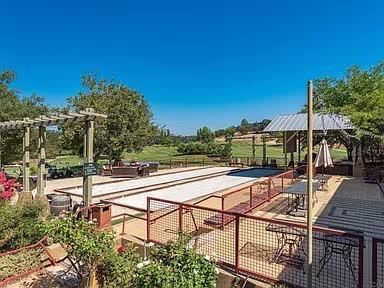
(128, 172)
(273, 163)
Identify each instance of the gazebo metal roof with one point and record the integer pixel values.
(298, 122)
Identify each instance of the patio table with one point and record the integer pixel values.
(289, 246)
(339, 245)
(290, 249)
(297, 193)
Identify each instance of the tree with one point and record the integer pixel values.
(13, 107)
(244, 127)
(358, 95)
(205, 135)
(129, 123)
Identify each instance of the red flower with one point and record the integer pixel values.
(121, 249)
(6, 186)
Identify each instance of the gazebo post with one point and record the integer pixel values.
(26, 149)
(41, 160)
(264, 148)
(88, 158)
(298, 148)
(253, 149)
(285, 151)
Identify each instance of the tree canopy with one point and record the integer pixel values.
(129, 123)
(359, 95)
(14, 107)
(205, 135)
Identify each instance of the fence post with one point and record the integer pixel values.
(269, 189)
(282, 183)
(222, 212)
(374, 262)
(247, 161)
(361, 262)
(237, 243)
(250, 196)
(186, 162)
(180, 218)
(148, 218)
(123, 230)
(170, 163)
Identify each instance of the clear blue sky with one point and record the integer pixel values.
(197, 62)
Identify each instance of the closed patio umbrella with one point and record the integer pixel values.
(323, 159)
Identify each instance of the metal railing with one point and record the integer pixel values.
(247, 198)
(44, 264)
(268, 249)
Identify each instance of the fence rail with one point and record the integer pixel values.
(19, 275)
(269, 249)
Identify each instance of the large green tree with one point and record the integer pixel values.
(14, 107)
(205, 135)
(129, 123)
(359, 94)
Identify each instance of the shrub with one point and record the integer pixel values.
(176, 265)
(83, 242)
(20, 225)
(13, 264)
(117, 269)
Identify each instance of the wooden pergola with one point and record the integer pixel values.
(88, 117)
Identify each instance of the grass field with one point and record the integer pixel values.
(163, 154)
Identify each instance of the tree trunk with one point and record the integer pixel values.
(90, 281)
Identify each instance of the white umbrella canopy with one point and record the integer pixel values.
(324, 157)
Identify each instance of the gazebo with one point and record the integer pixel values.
(292, 125)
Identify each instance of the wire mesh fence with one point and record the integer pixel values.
(377, 263)
(268, 249)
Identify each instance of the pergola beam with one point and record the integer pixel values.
(87, 117)
(52, 120)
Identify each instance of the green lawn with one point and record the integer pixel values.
(244, 149)
(163, 155)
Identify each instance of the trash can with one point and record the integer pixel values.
(102, 214)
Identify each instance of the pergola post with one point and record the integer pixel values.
(88, 158)
(26, 150)
(41, 160)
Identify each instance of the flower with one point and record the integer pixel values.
(142, 264)
(189, 246)
(146, 262)
(195, 271)
(207, 257)
(217, 270)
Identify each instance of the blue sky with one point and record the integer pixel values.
(197, 62)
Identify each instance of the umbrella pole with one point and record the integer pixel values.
(309, 182)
